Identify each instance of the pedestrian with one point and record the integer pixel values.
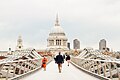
(68, 59)
(44, 62)
(59, 60)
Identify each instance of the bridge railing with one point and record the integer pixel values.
(99, 68)
(32, 71)
(12, 70)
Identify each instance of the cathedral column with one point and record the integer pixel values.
(61, 42)
(54, 42)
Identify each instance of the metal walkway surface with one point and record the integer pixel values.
(51, 73)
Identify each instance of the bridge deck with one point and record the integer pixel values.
(51, 73)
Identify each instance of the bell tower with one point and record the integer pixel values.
(19, 44)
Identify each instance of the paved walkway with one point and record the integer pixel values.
(51, 73)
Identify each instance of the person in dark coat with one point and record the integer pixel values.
(68, 59)
(59, 60)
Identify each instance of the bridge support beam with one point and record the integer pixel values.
(7, 75)
(110, 70)
(104, 69)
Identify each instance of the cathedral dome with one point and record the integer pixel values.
(57, 29)
(57, 40)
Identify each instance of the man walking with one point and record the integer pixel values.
(59, 60)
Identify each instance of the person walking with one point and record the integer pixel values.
(59, 60)
(44, 62)
(68, 59)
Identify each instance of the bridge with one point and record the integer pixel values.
(90, 64)
(68, 73)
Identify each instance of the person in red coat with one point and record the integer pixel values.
(44, 62)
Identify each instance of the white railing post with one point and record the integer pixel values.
(100, 66)
(110, 70)
(104, 69)
(94, 66)
(7, 76)
(15, 69)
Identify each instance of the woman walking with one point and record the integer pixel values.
(44, 61)
(68, 59)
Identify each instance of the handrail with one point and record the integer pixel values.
(4, 62)
(102, 68)
(100, 60)
(30, 72)
(18, 67)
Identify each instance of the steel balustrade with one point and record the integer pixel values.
(104, 68)
(19, 63)
(18, 67)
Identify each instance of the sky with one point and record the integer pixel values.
(87, 20)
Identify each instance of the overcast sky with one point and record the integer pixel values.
(88, 20)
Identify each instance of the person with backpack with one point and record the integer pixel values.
(68, 59)
(59, 60)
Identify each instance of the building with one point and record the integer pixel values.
(68, 45)
(19, 44)
(102, 44)
(57, 40)
(76, 44)
(3, 53)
